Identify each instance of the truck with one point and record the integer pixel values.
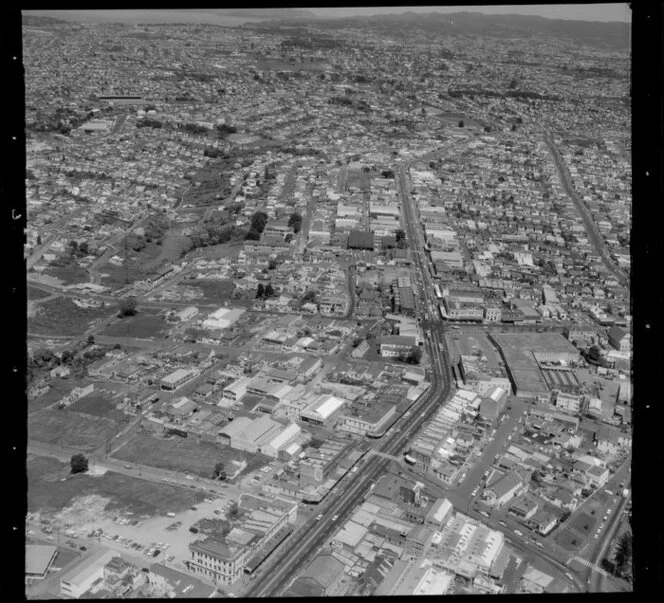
(625, 493)
(170, 514)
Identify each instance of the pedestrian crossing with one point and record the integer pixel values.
(593, 566)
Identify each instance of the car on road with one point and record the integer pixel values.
(319, 517)
(335, 517)
(128, 467)
(518, 533)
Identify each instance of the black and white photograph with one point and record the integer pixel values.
(328, 302)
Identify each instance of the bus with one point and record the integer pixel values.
(437, 290)
(409, 459)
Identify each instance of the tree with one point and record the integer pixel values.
(461, 123)
(260, 291)
(269, 290)
(272, 264)
(127, 306)
(233, 510)
(39, 239)
(415, 356)
(78, 463)
(309, 296)
(623, 557)
(295, 222)
(258, 221)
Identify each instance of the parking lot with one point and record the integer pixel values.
(139, 539)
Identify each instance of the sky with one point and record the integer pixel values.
(580, 12)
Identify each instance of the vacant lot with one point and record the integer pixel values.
(183, 454)
(59, 388)
(214, 291)
(141, 326)
(46, 491)
(61, 316)
(70, 429)
(98, 404)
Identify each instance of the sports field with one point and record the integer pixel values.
(72, 429)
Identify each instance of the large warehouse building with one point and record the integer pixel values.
(522, 353)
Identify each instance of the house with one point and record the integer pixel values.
(524, 507)
(543, 522)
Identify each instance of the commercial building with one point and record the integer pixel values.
(80, 578)
(325, 409)
(368, 420)
(39, 559)
(222, 318)
(177, 379)
(396, 345)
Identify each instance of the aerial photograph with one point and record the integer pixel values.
(328, 301)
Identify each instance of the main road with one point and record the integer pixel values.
(296, 551)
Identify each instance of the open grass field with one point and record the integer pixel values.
(70, 274)
(70, 429)
(34, 293)
(141, 326)
(46, 491)
(98, 404)
(568, 540)
(61, 316)
(584, 523)
(183, 454)
(214, 291)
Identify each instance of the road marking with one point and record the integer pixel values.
(591, 565)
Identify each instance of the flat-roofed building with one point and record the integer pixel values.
(39, 559)
(177, 379)
(370, 420)
(80, 578)
(220, 562)
(236, 390)
(396, 345)
(323, 410)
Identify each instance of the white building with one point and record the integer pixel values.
(176, 379)
(80, 578)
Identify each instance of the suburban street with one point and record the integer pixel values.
(588, 222)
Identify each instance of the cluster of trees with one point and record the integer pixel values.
(265, 291)
(194, 128)
(78, 463)
(258, 222)
(413, 357)
(309, 296)
(127, 306)
(213, 153)
(219, 472)
(212, 234)
(400, 237)
(148, 122)
(223, 130)
(295, 222)
(594, 356)
(621, 565)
